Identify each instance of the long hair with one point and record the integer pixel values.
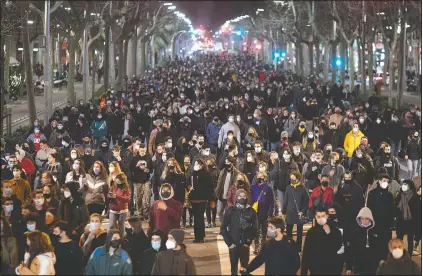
(81, 169)
(50, 176)
(122, 177)
(203, 164)
(103, 173)
(7, 229)
(178, 169)
(117, 171)
(38, 245)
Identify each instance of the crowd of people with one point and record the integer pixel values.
(254, 150)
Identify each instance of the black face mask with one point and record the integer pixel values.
(260, 180)
(325, 183)
(240, 183)
(165, 194)
(115, 243)
(333, 218)
(241, 201)
(47, 196)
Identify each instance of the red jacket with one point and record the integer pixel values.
(165, 220)
(121, 201)
(327, 196)
(29, 168)
(262, 76)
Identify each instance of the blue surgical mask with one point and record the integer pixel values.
(8, 191)
(30, 227)
(9, 208)
(156, 245)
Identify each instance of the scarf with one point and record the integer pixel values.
(296, 184)
(403, 204)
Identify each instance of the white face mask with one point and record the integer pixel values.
(397, 253)
(170, 245)
(67, 194)
(75, 166)
(250, 159)
(16, 174)
(286, 156)
(206, 153)
(257, 150)
(378, 121)
(404, 188)
(355, 129)
(39, 201)
(310, 136)
(65, 144)
(262, 169)
(297, 151)
(384, 185)
(231, 120)
(164, 158)
(322, 221)
(169, 145)
(111, 169)
(136, 147)
(196, 167)
(361, 120)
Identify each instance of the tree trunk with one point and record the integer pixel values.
(27, 61)
(6, 63)
(121, 64)
(343, 61)
(125, 55)
(333, 60)
(351, 68)
(317, 57)
(3, 61)
(71, 76)
(93, 73)
(133, 54)
(386, 62)
(142, 57)
(363, 69)
(81, 60)
(106, 61)
(326, 62)
(391, 76)
(310, 56)
(370, 68)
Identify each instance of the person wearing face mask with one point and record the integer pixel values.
(413, 154)
(322, 195)
(352, 140)
(331, 136)
(174, 260)
(135, 242)
(68, 253)
(93, 237)
(409, 213)
(263, 197)
(297, 156)
(173, 175)
(295, 204)
(152, 143)
(321, 245)
(110, 253)
(395, 131)
(20, 186)
(36, 138)
(299, 134)
(238, 228)
(291, 123)
(224, 130)
(119, 196)
(96, 188)
(336, 117)
(362, 245)
(334, 170)
(9, 247)
(362, 164)
(99, 128)
(149, 255)
(212, 133)
(399, 261)
(250, 139)
(278, 245)
(165, 213)
(310, 143)
(381, 202)
(388, 161)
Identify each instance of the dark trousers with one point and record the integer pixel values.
(299, 241)
(405, 227)
(199, 227)
(261, 234)
(131, 204)
(211, 213)
(95, 208)
(240, 253)
(184, 215)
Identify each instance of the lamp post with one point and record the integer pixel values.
(47, 66)
(85, 67)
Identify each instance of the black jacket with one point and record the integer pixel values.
(178, 183)
(413, 148)
(202, 186)
(239, 226)
(290, 206)
(381, 202)
(402, 266)
(350, 197)
(320, 251)
(286, 168)
(135, 244)
(271, 254)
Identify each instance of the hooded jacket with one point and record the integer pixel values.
(224, 132)
(101, 263)
(173, 262)
(362, 245)
(239, 225)
(352, 141)
(165, 220)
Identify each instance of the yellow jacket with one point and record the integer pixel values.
(352, 141)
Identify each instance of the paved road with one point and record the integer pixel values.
(20, 108)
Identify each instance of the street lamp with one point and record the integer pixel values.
(167, 4)
(171, 7)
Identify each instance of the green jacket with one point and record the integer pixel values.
(101, 263)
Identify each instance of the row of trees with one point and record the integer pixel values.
(127, 26)
(337, 25)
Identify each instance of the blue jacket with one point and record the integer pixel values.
(266, 206)
(101, 263)
(212, 133)
(99, 128)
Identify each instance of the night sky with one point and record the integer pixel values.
(212, 14)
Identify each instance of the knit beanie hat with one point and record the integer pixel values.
(178, 235)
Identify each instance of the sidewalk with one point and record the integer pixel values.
(408, 97)
(20, 107)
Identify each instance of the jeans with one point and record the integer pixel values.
(299, 241)
(95, 208)
(240, 253)
(221, 204)
(274, 146)
(199, 226)
(142, 199)
(280, 195)
(113, 218)
(395, 147)
(413, 167)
